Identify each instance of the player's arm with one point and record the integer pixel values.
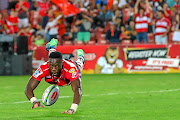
(32, 84)
(136, 6)
(77, 89)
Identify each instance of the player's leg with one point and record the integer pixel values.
(80, 59)
(51, 46)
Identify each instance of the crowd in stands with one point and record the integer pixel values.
(124, 22)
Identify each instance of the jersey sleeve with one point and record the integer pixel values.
(38, 74)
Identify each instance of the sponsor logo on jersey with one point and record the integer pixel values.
(71, 70)
(74, 74)
(37, 72)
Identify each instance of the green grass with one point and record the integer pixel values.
(136, 97)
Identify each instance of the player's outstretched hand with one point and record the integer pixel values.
(37, 104)
(70, 111)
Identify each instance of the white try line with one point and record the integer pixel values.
(143, 92)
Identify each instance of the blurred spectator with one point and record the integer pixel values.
(73, 33)
(26, 32)
(12, 4)
(141, 23)
(131, 16)
(167, 12)
(86, 3)
(176, 35)
(3, 4)
(121, 3)
(34, 6)
(117, 13)
(22, 8)
(12, 22)
(80, 4)
(52, 27)
(1, 24)
(175, 24)
(30, 34)
(158, 5)
(112, 35)
(41, 31)
(84, 22)
(124, 34)
(162, 28)
(171, 3)
(100, 3)
(106, 15)
(61, 22)
(97, 22)
(45, 19)
(119, 23)
(131, 3)
(148, 11)
(35, 18)
(44, 6)
(132, 31)
(39, 40)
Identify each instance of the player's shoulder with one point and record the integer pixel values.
(45, 66)
(69, 65)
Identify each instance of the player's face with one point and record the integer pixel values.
(55, 66)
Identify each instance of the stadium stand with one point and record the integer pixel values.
(97, 37)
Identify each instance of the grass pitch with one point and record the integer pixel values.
(106, 97)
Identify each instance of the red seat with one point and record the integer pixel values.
(127, 42)
(91, 42)
(67, 43)
(66, 38)
(92, 36)
(78, 42)
(100, 36)
(135, 42)
(99, 30)
(151, 38)
(102, 42)
(107, 26)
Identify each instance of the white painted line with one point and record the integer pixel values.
(143, 92)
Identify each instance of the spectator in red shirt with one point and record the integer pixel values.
(12, 22)
(166, 10)
(22, 8)
(44, 6)
(162, 28)
(1, 24)
(141, 23)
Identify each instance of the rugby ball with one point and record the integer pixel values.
(50, 95)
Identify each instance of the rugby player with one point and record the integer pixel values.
(60, 72)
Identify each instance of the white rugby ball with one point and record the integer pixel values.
(50, 95)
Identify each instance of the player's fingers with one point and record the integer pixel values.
(64, 112)
(41, 106)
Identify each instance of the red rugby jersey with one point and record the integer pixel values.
(69, 73)
(142, 23)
